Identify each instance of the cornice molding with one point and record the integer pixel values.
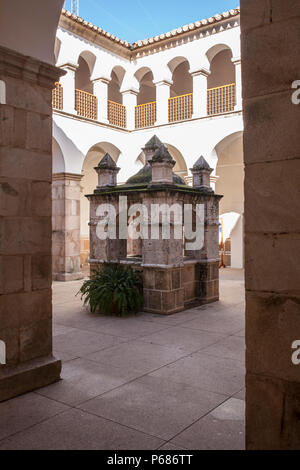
(27, 68)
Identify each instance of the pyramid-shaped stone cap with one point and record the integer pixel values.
(162, 154)
(153, 143)
(201, 164)
(107, 163)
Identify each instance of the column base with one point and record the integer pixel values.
(65, 277)
(29, 376)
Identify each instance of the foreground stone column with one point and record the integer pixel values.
(25, 224)
(272, 224)
(66, 227)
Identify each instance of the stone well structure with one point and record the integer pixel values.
(175, 276)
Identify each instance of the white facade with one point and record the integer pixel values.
(181, 65)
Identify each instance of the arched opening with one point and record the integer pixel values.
(85, 101)
(88, 184)
(181, 91)
(57, 49)
(145, 112)
(58, 162)
(230, 184)
(116, 110)
(221, 81)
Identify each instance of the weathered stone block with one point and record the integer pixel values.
(266, 260)
(11, 274)
(41, 271)
(254, 13)
(273, 324)
(269, 43)
(176, 278)
(15, 197)
(271, 209)
(265, 119)
(272, 414)
(162, 279)
(35, 340)
(41, 199)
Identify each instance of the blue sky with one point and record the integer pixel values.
(137, 19)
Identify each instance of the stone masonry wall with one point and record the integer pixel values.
(270, 61)
(25, 223)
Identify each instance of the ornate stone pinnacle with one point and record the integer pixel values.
(162, 154)
(107, 163)
(201, 164)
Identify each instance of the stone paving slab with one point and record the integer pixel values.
(144, 382)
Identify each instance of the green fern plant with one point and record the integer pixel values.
(113, 290)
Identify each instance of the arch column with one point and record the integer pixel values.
(200, 92)
(162, 101)
(130, 102)
(66, 227)
(68, 84)
(101, 91)
(238, 83)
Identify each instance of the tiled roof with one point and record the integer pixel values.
(145, 42)
(190, 27)
(95, 29)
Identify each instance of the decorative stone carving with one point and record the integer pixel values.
(201, 174)
(107, 172)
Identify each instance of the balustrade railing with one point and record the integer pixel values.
(181, 107)
(145, 115)
(86, 104)
(221, 99)
(116, 114)
(57, 96)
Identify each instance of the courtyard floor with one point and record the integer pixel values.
(143, 382)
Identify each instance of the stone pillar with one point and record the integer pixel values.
(68, 84)
(238, 83)
(101, 91)
(200, 92)
(130, 102)
(162, 101)
(25, 224)
(270, 57)
(66, 227)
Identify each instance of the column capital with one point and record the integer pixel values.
(165, 82)
(69, 66)
(103, 79)
(202, 71)
(130, 91)
(66, 176)
(236, 60)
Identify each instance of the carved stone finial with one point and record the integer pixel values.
(162, 165)
(107, 172)
(150, 148)
(201, 174)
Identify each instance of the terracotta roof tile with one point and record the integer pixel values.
(145, 42)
